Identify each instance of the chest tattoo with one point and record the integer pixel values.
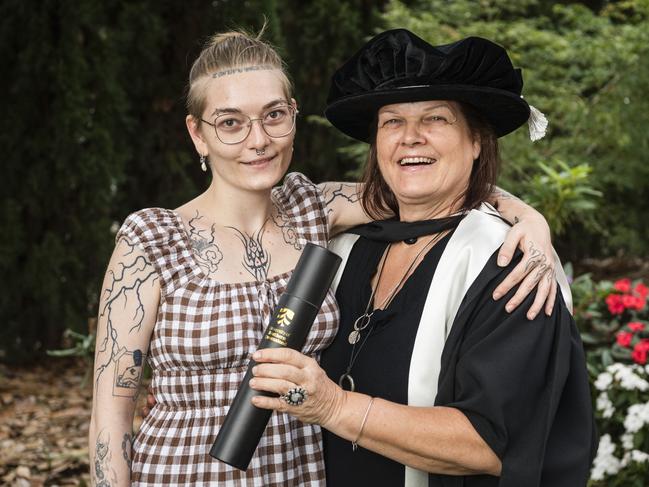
(289, 232)
(256, 259)
(203, 243)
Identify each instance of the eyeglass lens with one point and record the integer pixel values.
(232, 128)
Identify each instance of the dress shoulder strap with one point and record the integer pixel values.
(158, 232)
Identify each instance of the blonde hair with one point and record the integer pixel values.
(230, 51)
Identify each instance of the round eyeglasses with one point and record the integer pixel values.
(234, 127)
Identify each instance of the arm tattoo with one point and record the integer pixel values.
(332, 194)
(125, 285)
(207, 253)
(128, 372)
(256, 259)
(103, 455)
(289, 232)
(499, 195)
(127, 448)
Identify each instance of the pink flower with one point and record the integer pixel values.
(624, 338)
(635, 326)
(623, 285)
(639, 354)
(614, 303)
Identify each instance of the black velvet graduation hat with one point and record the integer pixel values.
(396, 66)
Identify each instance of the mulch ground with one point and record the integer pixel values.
(44, 416)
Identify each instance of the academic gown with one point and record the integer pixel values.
(522, 384)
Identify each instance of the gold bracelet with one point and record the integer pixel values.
(360, 432)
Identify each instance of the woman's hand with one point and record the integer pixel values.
(532, 235)
(280, 369)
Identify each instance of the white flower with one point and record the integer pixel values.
(605, 463)
(639, 456)
(605, 405)
(627, 375)
(636, 417)
(627, 441)
(603, 381)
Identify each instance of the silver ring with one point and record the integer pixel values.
(260, 152)
(295, 396)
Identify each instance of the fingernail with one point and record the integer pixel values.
(252, 382)
(502, 261)
(509, 308)
(497, 295)
(256, 355)
(531, 316)
(254, 371)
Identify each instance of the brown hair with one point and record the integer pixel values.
(230, 50)
(378, 199)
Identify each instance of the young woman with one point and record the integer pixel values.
(191, 290)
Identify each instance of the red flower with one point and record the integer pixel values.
(623, 285)
(639, 303)
(615, 305)
(629, 301)
(641, 290)
(639, 354)
(624, 338)
(635, 326)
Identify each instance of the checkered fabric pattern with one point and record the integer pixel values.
(203, 337)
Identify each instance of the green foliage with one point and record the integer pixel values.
(81, 346)
(64, 141)
(585, 69)
(94, 122)
(563, 195)
(612, 318)
(94, 128)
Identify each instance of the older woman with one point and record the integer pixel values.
(435, 382)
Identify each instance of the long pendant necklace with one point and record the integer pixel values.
(364, 320)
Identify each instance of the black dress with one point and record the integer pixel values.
(381, 367)
(522, 384)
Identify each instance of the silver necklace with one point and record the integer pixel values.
(363, 321)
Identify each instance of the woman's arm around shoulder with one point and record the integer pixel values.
(343, 205)
(130, 296)
(530, 232)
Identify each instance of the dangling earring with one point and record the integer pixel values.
(202, 161)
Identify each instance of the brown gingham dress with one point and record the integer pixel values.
(203, 337)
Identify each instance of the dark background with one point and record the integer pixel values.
(93, 125)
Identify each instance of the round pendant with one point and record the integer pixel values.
(362, 321)
(346, 378)
(354, 337)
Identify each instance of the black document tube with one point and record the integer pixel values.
(289, 326)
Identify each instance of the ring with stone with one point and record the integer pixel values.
(295, 396)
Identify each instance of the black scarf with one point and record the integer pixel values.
(394, 230)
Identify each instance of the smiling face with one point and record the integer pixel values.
(425, 153)
(255, 94)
